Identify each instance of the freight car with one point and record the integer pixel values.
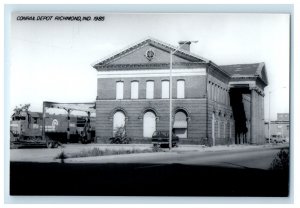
(35, 129)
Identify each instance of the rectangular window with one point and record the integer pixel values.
(180, 89)
(215, 92)
(224, 130)
(218, 94)
(119, 90)
(150, 90)
(135, 90)
(208, 91)
(212, 91)
(228, 98)
(165, 89)
(219, 130)
(230, 127)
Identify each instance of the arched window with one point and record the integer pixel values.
(180, 124)
(119, 121)
(165, 89)
(149, 89)
(119, 90)
(134, 90)
(180, 89)
(149, 126)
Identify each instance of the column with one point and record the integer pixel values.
(252, 110)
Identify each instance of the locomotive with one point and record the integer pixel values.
(35, 129)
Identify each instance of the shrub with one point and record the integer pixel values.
(281, 161)
(100, 152)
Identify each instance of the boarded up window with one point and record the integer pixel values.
(134, 90)
(165, 89)
(150, 89)
(180, 89)
(119, 90)
(149, 124)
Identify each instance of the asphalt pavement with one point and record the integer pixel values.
(185, 171)
(250, 156)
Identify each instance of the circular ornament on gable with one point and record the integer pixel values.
(149, 54)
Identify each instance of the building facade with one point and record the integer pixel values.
(211, 104)
(279, 128)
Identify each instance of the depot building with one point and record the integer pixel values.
(211, 104)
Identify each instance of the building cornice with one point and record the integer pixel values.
(158, 66)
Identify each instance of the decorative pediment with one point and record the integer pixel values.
(148, 51)
(247, 71)
(262, 73)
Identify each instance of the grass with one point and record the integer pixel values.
(103, 152)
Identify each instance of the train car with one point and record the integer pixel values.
(26, 129)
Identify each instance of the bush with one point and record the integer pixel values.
(99, 152)
(281, 161)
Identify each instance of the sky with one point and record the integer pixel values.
(52, 60)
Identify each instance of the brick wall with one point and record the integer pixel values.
(134, 111)
(223, 115)
(195, 87)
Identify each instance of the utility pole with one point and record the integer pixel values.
(170, 89)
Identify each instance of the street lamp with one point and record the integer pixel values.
(170, 87)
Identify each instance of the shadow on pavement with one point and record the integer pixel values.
(28, 178)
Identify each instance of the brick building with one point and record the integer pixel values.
(279, 128)
(211, 104)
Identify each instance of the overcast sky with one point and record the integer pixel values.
(51, 60)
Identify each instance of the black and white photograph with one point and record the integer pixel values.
(149, 104)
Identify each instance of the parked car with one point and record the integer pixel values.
(161, 139)
(277, 139)
(120, 137)
(269, 140)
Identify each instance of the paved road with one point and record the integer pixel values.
(189, 171)
(237, 156)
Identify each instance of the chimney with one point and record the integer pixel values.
(185, 45)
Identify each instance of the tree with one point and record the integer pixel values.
(21, 108)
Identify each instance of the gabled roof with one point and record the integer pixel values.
(247, 70)
(148, 41)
